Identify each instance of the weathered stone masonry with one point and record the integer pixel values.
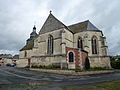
(66, 45)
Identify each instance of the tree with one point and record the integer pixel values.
(87, 63)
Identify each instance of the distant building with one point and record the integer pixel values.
(68, 46)
(16, 56)
(5, 58)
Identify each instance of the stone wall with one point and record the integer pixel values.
(86, 38)
(1, 62)
(47, 60)
(64, 38)
(21, 54)
(72, 72)
(41, 43)
(22, 63)
(68, 36)
(29, 53)
(100, 61)
(6, 61)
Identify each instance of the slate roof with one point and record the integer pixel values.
(33, 34)
(86, 25)
(51, 24)
(28, 46)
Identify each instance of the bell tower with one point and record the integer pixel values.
(32, 35)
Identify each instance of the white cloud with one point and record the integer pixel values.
(13, 52)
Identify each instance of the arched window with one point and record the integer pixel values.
(50, 44)
(80, 43)
(71, 57)
(94, 45)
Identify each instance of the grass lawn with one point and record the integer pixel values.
(113, 85)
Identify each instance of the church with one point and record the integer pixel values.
(67, 46)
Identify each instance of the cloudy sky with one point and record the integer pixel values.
(17, 18)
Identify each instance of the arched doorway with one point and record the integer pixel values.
(71, 57)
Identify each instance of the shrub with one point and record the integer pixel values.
(51, 66)
(87, 63)
(34, 66)
(98, 68)
(115, 64)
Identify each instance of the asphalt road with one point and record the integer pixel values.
(15, 76)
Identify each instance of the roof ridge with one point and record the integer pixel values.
(79, 23)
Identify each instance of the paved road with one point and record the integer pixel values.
(14, 76)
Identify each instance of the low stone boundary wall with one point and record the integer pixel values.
(72, 72)
(22, 63)
(100, 61)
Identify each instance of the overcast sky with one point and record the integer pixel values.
(17, 18)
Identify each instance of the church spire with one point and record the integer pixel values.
(33, 34)
(34, 28)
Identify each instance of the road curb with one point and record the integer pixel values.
(72, 72)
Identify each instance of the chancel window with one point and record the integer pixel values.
(71, 57)
(80, 43)
(50, 44)
(94, 45)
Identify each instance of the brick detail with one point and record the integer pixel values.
(78, 54)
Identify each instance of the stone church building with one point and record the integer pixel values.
(67, 46)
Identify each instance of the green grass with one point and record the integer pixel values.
(30, 86)
(113, 85)
(16, 86)
(97, 68)
(92, 88)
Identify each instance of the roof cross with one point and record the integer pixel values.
(50, 11)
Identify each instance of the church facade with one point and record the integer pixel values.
(67, 46)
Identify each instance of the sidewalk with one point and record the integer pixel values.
(72, 72)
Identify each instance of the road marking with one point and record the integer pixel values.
(20, 75)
